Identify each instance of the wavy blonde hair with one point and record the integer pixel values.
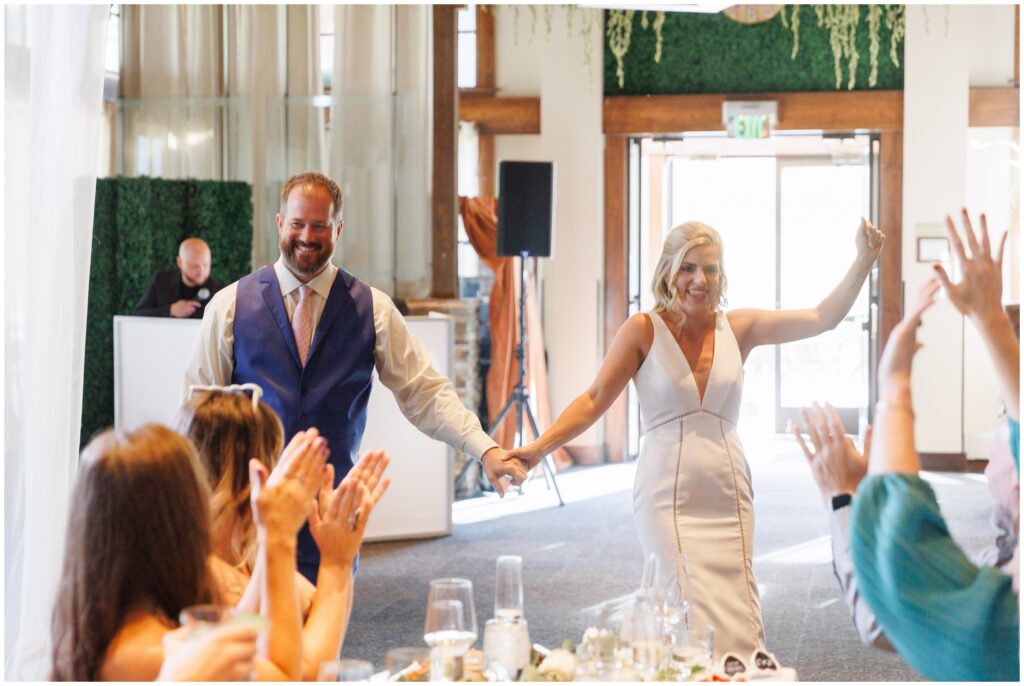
(678, 242)
(227, 431)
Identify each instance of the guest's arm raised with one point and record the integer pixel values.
(754, 327)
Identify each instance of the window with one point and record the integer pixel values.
(467, 47)
(112, 61)
(326, 44)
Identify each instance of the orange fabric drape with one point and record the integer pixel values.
(480, 216)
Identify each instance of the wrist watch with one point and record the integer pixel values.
(840, 501)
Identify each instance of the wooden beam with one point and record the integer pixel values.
(890, 219)
(1016, 45)
(485, 73)
(486, 165)
(994, 107)
(829, 111)
(444, 212)
(616, 254)
(501, 115)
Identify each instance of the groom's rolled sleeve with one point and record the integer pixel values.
(426, 398)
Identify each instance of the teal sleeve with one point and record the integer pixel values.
(950, 620)
(1015, 442)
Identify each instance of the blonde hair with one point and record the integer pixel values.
(228, 428)
(678, 242)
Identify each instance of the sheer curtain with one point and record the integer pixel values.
(380, 143)
(52, 105)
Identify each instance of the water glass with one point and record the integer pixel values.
(508, 588)
(202, 618)
(345, 670)
(406, 661)
(450, 626)
(646, 638)
(507, 644)
(693, 646)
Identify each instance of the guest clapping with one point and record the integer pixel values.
(136, 555)
(230, 425)
(949, 619)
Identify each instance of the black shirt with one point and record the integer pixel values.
(167, 288)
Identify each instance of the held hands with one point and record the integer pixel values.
(339, 515)
(499, 463)
(184, 308)
(979, 293)
(226, 653)
(869, 240)
(281, 502)
(835, 464)
(894, 367)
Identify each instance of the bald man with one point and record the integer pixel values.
(182, 291)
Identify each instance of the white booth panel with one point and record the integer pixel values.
(150, 358)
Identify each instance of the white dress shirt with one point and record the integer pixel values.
(425, 397)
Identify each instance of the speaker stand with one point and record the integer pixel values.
(520, 398)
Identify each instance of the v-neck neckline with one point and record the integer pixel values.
(682, 354)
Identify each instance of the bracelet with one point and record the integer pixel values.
(882, 406)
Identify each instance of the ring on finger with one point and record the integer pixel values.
(353, 521)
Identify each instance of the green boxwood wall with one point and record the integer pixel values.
(710, 53)
(138, 224)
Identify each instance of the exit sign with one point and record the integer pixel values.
(749, 119)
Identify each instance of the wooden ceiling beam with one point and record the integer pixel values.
(994, 107)
(501, 115)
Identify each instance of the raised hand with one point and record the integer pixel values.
(226, 653)
(498, 463)
(894, 367)
(869, 239)
(979, 293)
(339, 516)
(836, 465)
(281, 501)
(369, 471)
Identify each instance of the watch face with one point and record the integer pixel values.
(203, 294)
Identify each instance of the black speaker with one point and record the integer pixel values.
(526, 208)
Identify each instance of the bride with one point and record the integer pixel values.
(692, 495)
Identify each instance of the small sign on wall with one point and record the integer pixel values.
(749, 119)
(933, 250)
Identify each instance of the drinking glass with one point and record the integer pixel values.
(450, 627)
(693, 646)
(508, 588)
(508, 644)
(202, 618)
(345, 670)
(646, 637)
(406, 661)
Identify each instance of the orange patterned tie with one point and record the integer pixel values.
(302, 322)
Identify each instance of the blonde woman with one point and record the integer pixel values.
(229, 425)
(692, 495)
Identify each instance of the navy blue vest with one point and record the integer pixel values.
(332, 391)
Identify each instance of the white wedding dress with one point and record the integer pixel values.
(692, 494)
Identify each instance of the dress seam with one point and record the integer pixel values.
(675, 510)
(743, 535)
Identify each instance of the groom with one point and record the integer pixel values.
(311, 335)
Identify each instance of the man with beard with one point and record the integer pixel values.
(311, 336)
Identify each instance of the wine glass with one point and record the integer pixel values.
(450, 626)
(508, 588)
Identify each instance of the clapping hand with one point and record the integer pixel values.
(339, 515)
(282, 500)
(869, 239)
(836, 465)
(498, 463)
(980, 290)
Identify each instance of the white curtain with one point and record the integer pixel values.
(380, 143)
(52, 108)
(236, 63)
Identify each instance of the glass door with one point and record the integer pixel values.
(820, 203)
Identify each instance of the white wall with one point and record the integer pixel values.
(553, 68)
(990, 37)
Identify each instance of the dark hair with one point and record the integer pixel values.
(137, 538)
(228, 432)
(313, 180)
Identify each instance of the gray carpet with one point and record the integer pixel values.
(587, 552)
